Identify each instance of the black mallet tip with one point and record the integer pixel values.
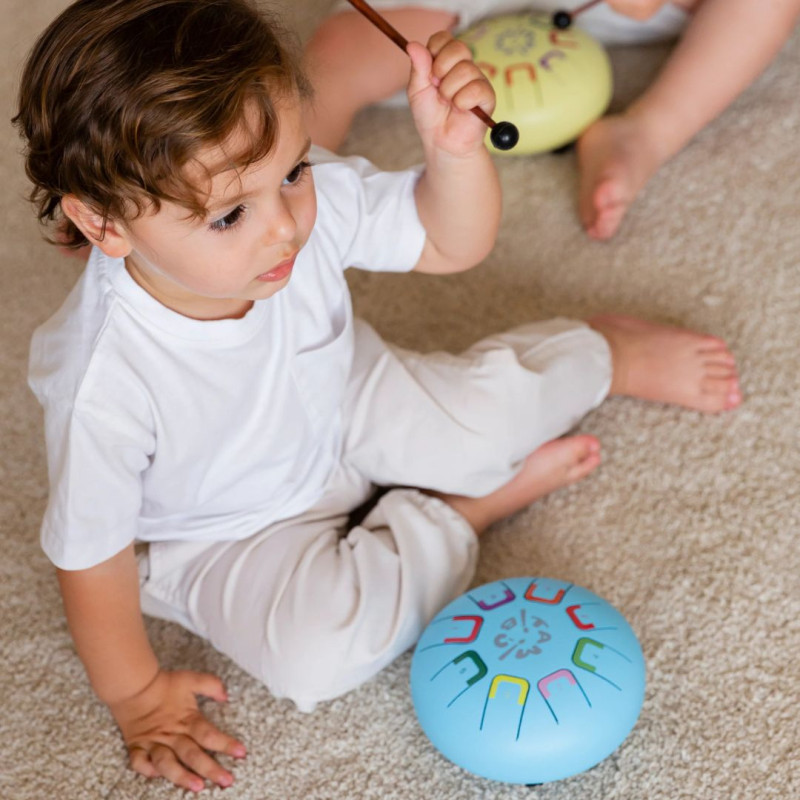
(562, 20)
(504, 135)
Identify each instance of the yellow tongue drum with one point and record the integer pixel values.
(552, 84)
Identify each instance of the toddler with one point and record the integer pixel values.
(726, 44)
(213, 412)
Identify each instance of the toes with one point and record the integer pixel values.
(607, 222)
(570, 458)
(580, 470)
(715, 370)
(719, 393)
(604, 210)
(714, 346)
(589, 444)
(719, 361)
(586, 454)
(608, 195)
(577, 449)
(711, 342)
(719, 385)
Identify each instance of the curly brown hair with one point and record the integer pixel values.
(117, 96)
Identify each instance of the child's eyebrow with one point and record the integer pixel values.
(237, 198)
(303, 150)
(229, 202)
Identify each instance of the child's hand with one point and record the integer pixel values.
(445, 84)
(637, 9)
(167, 735)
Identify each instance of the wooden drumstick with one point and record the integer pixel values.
(504, 135)
(563, 19)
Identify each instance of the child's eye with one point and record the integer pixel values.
(229, 220)
(297, 174)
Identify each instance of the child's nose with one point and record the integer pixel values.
(282, 225)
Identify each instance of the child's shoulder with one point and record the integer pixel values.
(344, 175)
(358, 202)
(63, 347)
(339, 184)
(337, 178)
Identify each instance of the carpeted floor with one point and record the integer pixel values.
(689, 527)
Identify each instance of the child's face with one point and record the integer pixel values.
(244, 250)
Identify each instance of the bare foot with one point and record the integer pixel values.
(669, 365)
(555, 464)
(616, 158)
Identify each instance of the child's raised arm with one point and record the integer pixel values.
(458, 195)
(156, 710)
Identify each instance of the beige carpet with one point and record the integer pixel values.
(690, 527)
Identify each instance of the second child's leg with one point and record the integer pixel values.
(727, 44)
(352, 65)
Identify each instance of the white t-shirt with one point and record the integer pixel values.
(161, 427)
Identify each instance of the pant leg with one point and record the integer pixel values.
(312, 610)
(463, 424)
(308, 610)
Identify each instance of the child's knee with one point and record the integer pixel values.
(311, 666)
(330, 39)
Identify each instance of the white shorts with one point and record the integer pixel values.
(605, 25)
(314, 606)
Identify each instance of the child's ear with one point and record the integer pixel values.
(112, 240)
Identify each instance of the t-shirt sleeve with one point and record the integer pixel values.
(96, 459)
(368, 215)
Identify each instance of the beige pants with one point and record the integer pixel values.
(605, 25)
(312, 608)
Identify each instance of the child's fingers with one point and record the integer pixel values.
(211, 738)
(421, 59)
(195, 758)
(183, 759)
(448, 54)
(140, 762)
(205, 684)
(474, 94)
(439, 40)
(460, 80)
(466, 87)
(167, 765)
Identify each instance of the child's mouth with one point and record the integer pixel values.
(279, 271)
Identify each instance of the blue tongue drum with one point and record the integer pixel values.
(528, 680)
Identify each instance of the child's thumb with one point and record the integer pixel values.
(421, 61)
(207, 685)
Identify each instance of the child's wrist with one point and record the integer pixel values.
(437, 156)
(135, 686)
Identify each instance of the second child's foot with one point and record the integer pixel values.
(552, 466)
(616, 159)
(669, 365)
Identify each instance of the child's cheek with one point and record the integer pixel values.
(309, 215)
